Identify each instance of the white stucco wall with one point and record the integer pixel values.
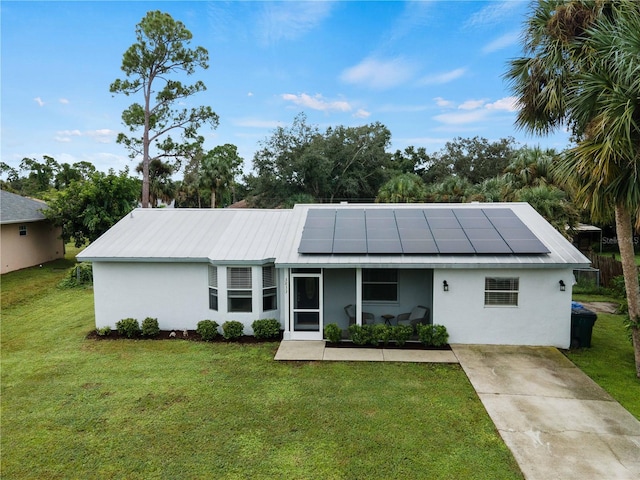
(177, 294)
(542, 317)
(42, 243)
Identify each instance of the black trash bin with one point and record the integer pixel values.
(582, 321)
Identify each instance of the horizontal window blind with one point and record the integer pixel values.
(239, 278)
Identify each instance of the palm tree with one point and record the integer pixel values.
(218, 170)
(583, 71)
(403, 188)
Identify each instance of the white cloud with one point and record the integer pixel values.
(441, 102)
(103, 135)
(444, 77)
(379, 74)
(317, 102)
(509, 104)
(493, 13)
(504, 41)
(64, 101)
(250, 94)
(256, 123)
(471, 104)
(39, 101)
(459, 118)
(290, 20)
(361, 113)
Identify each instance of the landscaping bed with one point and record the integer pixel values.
(409, 345)
(191, 336)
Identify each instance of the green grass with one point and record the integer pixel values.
(617, 256)
(609, 361)
(77, 408)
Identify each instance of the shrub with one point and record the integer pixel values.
(433, 335)
(402, 333)
(333, 333)
(79, 275)
(207, 329)
(103, 331)
(232, 330)
(150, 327)
(382, 333)
(618, 288)
(129, 327)
(360, 334)
(440, 336)
(266, 328)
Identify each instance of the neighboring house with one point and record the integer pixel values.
(493, 273)
(27, 238)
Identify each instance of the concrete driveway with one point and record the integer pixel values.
(558, 423)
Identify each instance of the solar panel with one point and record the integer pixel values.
(429, 231)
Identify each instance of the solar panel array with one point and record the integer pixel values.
(487, 231)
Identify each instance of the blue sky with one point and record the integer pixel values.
(428, 70)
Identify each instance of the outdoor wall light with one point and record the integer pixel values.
(563, 287)
(445, 286)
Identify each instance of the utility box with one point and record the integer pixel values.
(582, 321)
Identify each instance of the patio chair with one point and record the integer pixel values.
(419, 314)
(367, 318)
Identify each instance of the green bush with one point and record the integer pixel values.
(150, 327)
(232, 330)
(207, 329)
(361, 334)
(618, 288)
(80, 275)
(103, 331)
(433, 335)
(382, 333)
(266, 328)
(333, 333)
(129, 327)
(401, 333)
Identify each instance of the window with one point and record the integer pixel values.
(22, 229)
(269, 290)
(239, 289)
(379, 285)
(213, 288)
(501, 291)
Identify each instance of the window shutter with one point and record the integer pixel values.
(268, 277)
(213, 276)
(239, 278)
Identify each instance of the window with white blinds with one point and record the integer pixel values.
(501, 291)
(213, 287)
(269, 289)
(239, 289)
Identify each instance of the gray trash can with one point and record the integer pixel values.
(582, 321)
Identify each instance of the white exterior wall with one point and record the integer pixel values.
(177, 294)
(542, 317)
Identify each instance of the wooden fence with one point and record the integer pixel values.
(609, 268)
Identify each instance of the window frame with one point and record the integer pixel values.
(269, 288)
(239, 289)
(213, 287)
(22, 230)
(368, 294)
(501, 292)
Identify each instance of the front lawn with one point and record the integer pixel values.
(77, 408)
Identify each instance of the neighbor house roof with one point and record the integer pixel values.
(233, 236)
(17, 209)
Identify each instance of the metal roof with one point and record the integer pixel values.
(213, 235)
(250, 236)
(17, 209)
(561, 252)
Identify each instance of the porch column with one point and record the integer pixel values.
(358, 296)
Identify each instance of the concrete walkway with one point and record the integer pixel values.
(558, 423)
(315, 350)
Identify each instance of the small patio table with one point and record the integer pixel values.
(387, 318)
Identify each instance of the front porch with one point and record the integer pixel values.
(308, 350)
(344, 296)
